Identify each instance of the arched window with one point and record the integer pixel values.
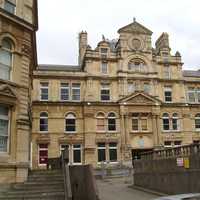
(6, 57)
(165, 119)
(175, 122)
(70, 122)
(137, 65)
(100, 122)
(197, 121)
(43, 122)
(111, 122)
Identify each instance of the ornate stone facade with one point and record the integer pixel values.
(18, 24)
(124, 97)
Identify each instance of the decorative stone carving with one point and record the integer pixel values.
(7, 90)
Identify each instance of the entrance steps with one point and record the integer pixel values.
(41, 185)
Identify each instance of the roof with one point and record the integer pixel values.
(135, 27)
(191, 73)
(51, 67)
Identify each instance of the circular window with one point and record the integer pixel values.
(136, 43)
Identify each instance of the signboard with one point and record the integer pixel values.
(180, 162)
(186, 163)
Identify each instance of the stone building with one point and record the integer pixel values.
(125, 96)
(18, 24)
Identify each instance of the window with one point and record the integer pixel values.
(168, 94)
(105, 92)
(76, 154)
(101, 152)
(76, 91)
(10, 6)
(165, 119)
(131, 87)
(64, 91)
(104, 68)
(147, 88)
(197, 121)
(43, 122)
(64, 147)
(136, 65)
(143, 124)
(100, 122)
(113, 152)
(198, 95)
(70, 123)
(177, 143)
(104, 52)
(4, 128)
(168, 144)
(111, 122)
(175, 125)
(139, 122)
(191, 95)
(44, 91)
(43, 154)
(6, 58)
(166, 71)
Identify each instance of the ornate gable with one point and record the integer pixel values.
(135, 27)
(140, 99)
(6, 90)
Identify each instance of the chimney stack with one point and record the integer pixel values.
(83, 42)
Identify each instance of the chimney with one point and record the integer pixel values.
(82, 46)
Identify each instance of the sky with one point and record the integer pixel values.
(60, 23)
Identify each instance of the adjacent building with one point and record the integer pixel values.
(18, 24)
(124, 97)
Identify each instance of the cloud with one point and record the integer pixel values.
(59, 25)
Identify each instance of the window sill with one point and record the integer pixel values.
(171, 131)
(71, 132)
(43, 132)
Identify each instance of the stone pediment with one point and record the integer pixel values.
(7, 91)
(140, 98)
(135, 27)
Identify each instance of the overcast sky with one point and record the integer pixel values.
(60, 23)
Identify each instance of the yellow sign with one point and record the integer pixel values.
(186, 163)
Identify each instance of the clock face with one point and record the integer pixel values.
(136, 44)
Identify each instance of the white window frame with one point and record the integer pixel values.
(191, 91)
(100, 116)
(168, 89)
(112, 117)
(177, 121)
(39, 149)
(44, 85)
(44, 117)
(74, 117)
(66, 87)
(76, 148)
(8, 118)
(101, 148)
(115, 148)
(10, 52)
(165, 117)
(75, 88)
(105, 87)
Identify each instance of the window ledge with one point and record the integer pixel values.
(71, 132)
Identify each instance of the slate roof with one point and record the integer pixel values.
(191, 73)
(59, 67)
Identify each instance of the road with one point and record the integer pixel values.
(118, 189)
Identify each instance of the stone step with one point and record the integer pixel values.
(46, 179)
(39, 195)
(45, 172)
(33, 186)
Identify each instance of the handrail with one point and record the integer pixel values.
(66, 175)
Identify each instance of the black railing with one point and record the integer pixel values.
(180, 151)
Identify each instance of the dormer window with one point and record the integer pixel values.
(10, 6)
(104, 53)
(136, 65)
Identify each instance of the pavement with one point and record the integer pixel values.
(120, 189)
